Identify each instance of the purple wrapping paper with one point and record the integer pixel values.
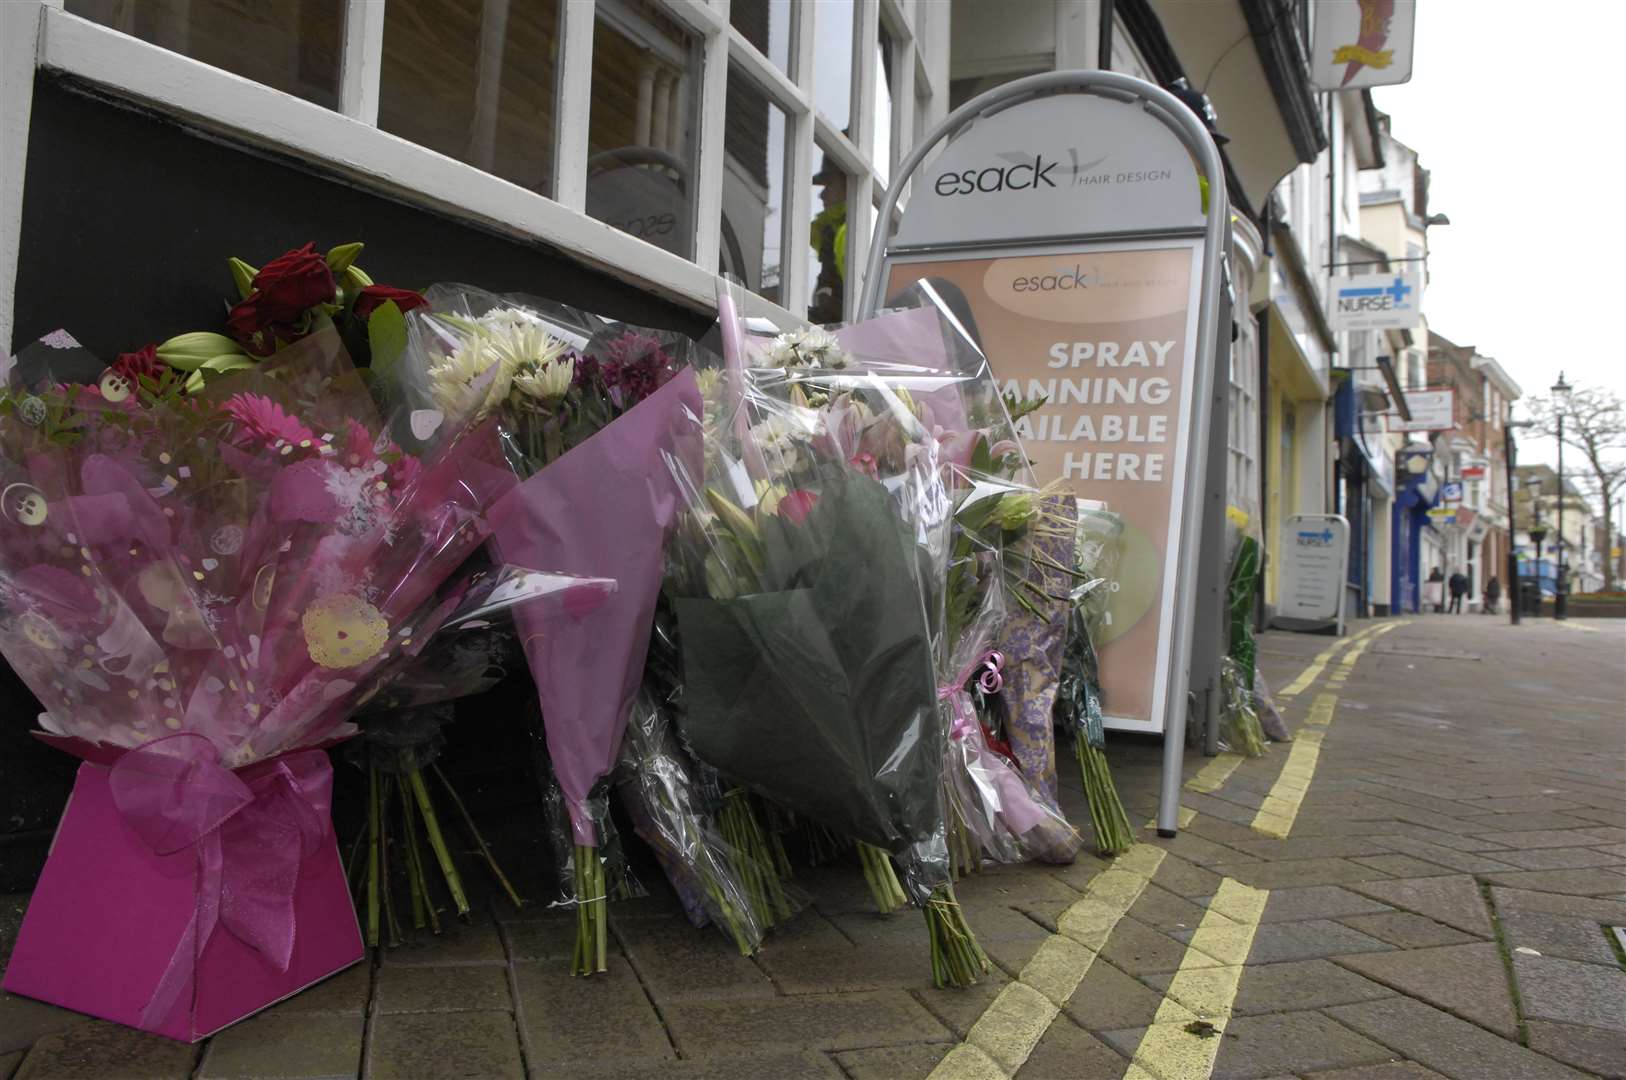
(1033, 646)
(601, 510)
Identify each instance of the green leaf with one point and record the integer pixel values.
(386, 336)
(341, 258)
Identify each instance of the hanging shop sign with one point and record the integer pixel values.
(1361, 43)
(1377, 301)
(1473, 472)
(1314, 567)
(1064, 221)
(1451, 491)
(1431, 410)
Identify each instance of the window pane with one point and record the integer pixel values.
(292, 46)
(474, 80)
(640, 138)
(754, 139)
(767, 24)
(834, 28)
(827, 259)
(881, 152)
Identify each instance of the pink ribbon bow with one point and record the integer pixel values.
(251, 831)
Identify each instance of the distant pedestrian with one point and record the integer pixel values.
(1434, 590)
(1493, 595)
(1459, 589)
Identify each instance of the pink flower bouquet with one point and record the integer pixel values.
(199, 588)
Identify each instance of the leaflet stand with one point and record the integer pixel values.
(1121, 181)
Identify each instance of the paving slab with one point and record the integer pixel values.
(1469, 981)
(830, 968)
(1601, 910)
(1454, 900)
(23, 1020)
(805, 1065)
(1558, 935)
(1466, 862)
(887, 1062)
(1161, 909)
(1068, 1050)
(1407, 931)
(1545, 838)
(345, 993)
(1293, 986)
(957, 1010)
(1275, 943)
(568, 1018)
(1108, 999)
(96, 1049)
(1186, 879)
(1137, 949)
(1393, 1070)
(1284, 1042)
(443, 1046)
(291, 1046)
(822, 1022)
(1315, 902)
(472, 942)
(1597, 1050)
(442, 989)
(1422, 1033)
(1574, 882)
(674, 958)
(1404, 865)
(1552, 988)
(1298, 872)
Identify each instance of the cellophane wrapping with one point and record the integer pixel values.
(666, 804)
(242, 563)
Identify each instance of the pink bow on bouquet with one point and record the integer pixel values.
(250, 830)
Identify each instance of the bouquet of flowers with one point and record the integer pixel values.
(809, 582)
(1241, 719)
(1078, 698)
(583, 407)
(460, 649)
(203, 584)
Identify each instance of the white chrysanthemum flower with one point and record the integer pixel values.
(809, 346)
(516, 344)
(780, 439)
(547, 382)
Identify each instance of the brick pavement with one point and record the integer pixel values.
(1438, 907)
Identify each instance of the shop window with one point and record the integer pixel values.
(834, 30)
(474, 81)
(754, 142)
(292, 45)
(830, 254)
(641, 130)
(770, 26)
(885, 76)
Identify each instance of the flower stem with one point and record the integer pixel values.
(957, 959)
(479, 841)
(592, 930)
(421, 904)
(437, 843)
(1113, 833)
(373, 855)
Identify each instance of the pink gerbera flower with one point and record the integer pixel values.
(262, 420)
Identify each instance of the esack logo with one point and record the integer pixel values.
(1023, 176)
(1061, 278)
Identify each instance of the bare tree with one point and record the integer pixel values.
(1594, 424)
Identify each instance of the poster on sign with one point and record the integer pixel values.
(1314, 567)
(1105, 336)
(1431, 410)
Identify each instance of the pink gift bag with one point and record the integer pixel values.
(181, 896)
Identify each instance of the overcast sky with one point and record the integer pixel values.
(1516, 109)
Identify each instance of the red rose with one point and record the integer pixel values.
(144, 361)
(866, 464)
(258, 334)
(795, 506)
(290, 284)
(373, 296)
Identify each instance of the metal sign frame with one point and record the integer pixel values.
(1213, 234)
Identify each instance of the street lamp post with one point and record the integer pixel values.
(1561, 396)
(1538, 533)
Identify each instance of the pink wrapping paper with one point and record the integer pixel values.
(601, 510)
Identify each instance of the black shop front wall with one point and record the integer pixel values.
(127, 223)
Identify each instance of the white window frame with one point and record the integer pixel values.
(40, 34)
